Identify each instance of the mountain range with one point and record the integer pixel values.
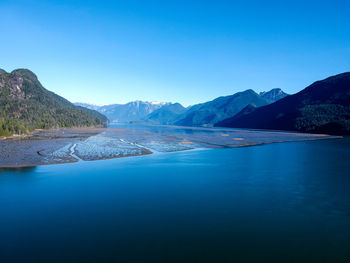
(132, 111)
(166, 114)
(204, 114)
(26, 105)
(273, 95)
(209, 113)
(322, 107)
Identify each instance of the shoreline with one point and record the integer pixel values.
(58, 163)
(69, 158)
(21, 136)
(70, 145)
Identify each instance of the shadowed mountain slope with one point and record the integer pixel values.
(323, 107)
(166, 114)
(220, 108)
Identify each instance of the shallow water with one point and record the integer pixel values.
(285, 202)
(124, 140)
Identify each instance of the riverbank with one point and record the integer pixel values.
(68, 145)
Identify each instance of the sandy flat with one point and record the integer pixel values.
(85, 144)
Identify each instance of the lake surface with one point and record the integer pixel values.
(284, 202)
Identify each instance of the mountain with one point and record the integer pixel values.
(323, 107)
(166, 114)
(88, 106)
(273, 95)
(26, 105)
(95, 114)
(246, 110)
(132, 111)
(220, 108)
(200, 114)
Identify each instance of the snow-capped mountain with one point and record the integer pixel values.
(131, 111)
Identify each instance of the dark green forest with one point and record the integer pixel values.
(25, 105)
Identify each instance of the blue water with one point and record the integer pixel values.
(286, 202)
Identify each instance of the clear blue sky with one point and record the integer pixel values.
(187, 51)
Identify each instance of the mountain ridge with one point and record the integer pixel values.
(202, 114)
(132, 111)
(211, 112)
(322, 107)
(166, 114)
(26, 105)
(273, 95)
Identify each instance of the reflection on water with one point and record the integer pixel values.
(287, 202)
(17, 176)
(18, 169)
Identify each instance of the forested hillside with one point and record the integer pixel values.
(323, 107)
(26, 105)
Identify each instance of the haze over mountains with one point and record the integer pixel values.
(203, 114)
(166, 114)
(132, 111)
(323, 107)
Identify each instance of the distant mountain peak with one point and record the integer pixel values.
(322, 107)
(273, 95)
(25, 73)
(131, 111)
(166, 114)
(208, 113)
(89, 103)
(159, 103)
